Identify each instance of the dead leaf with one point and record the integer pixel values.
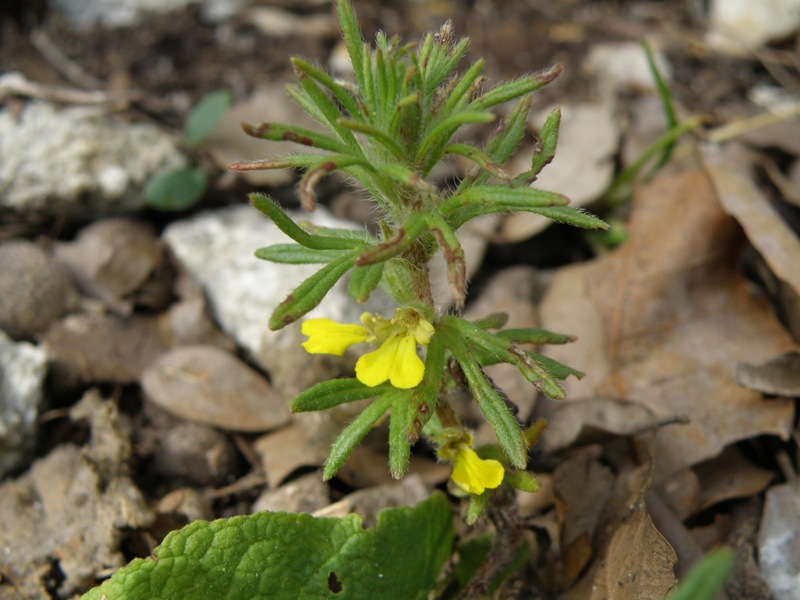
(779, 376)
(593, 420)
(662, 320)
(729, 168)
(206, 384)
(730, 475)
(582, 487)
(288, 449)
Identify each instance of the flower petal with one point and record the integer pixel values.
(474, 474)
(326, 336)
(395, 360)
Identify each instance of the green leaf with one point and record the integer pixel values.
(492, 406)
(472, 555)
(476, 506)
(363, 281)
(397, 244)
(706, 578)
(532, 335)
(293, 230)
(426, 394)
(399, 444)
(310, 293)
(295, 254)
(352, 435)
(548, 139)
(279, 132)
(334, 392)
(523, 480)
(205, 116)
(576, 217)
(176, 190)
(555, 368)
(287, 556)
(516, 88)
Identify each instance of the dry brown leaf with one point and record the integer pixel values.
(592, 420)
(730, 168)
(206, 384)
(779, 376)
(582, 487)
(288, 449)
(662, 321)
(729, 475)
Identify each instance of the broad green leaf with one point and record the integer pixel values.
(205, 116)
(352, 435)
(288, 556)
(176, 190)
(334, 392)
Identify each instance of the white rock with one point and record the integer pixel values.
(22, 371)
(740, 26)
(78, 161)
(624, 65)
(216, 248)
(83, 14)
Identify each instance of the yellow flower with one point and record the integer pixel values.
(474, 474)
(396, 358)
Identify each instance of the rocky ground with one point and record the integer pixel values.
(141, 389)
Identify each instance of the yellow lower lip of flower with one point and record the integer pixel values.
(395, 361)
(326, 336)
(474, 474)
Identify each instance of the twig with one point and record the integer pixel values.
(16, 84)
(61, 62)
(739, 128)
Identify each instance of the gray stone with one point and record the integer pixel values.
(216, 248)
(78, 161)
(23, 367)
(36, 291)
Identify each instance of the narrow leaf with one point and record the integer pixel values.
(530, 335)
(310, 293)
(399, 444)
(548, 139)
(291, 133)
(426, 394)
(352, 435)
(363, 281)
(295, 254)
(516, 88)
(397, 244)
(492, 406)
(291, 229)
(334, 392)
(453, 256)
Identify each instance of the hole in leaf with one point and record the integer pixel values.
(334, 584)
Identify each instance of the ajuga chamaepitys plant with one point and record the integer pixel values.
(386, 129)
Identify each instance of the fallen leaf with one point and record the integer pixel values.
(730, 168)
(206, 384)
(593, 420)
(729, 475)
(662, 320)
(779, 376)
